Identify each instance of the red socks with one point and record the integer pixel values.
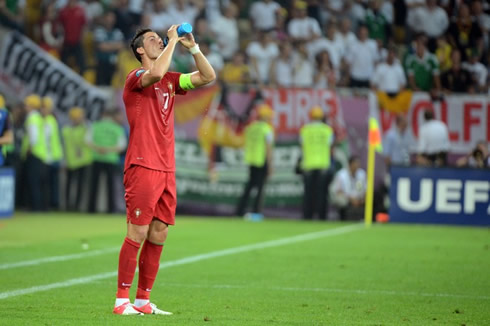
(149, 263)
(127, 267)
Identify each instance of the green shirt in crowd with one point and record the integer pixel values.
(109, 134)
(423, 69)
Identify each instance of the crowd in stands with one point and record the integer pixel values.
(428, 45)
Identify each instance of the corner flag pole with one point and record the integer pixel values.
(374, 145)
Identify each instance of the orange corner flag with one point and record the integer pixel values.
(375, 135)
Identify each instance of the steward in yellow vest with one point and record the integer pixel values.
(259, 142)
(316, 139)
(78, 157)
(54, 151)
(34, 152)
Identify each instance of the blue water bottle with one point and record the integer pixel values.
(184, 28)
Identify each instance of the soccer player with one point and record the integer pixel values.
(149, 172)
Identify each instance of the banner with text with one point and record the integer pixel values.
(25, 68)
(467, 117)
(440, 195)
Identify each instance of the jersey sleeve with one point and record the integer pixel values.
(133, 81)
(174, 77)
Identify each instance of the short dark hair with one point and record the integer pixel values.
(353, 159)
(137, 41)
(428, 115)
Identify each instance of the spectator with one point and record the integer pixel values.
(483, 20)
(263, 15)
(214, 57)
(345, 35)
(325, 76)
(259, 143)
(443, 53)
(6, 133)
(434, 22)
(185, 11)
(282, 67)
(348, 190)
(126, 21)
(388, 11)
(54, 153)
(433, 142)
(398, 143)
(477, 70)
(73, 20)
(457, 79)
(388, 76)
(334, 8)
(361, 57)
(261, 54)
(226, 29)
(376, 22)
(303, 69)
(414, 7)
(316, 139)
(465, 33)
(12, 15)
(202, 32)
(107, 139)
(479, 157)
(109, 41)
(236, 71)
(331, 43)
(302, 27)
(51, 30)
(78, 158)
(159, 19)
(422, 68)
(34, 152)
(93, 10)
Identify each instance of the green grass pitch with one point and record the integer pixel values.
(218, 271)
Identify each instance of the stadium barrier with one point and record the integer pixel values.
(7, 192)
(440, 195)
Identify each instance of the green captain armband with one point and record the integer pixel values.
(185, 82)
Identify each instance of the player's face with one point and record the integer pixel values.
(153, 45)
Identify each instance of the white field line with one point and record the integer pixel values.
(335, 290)
(59, 258)
(191, 259)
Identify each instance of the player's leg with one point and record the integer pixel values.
(242, 205)
(149, 261)
(142, 192)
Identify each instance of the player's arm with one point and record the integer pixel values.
(205, 73)
(160, 66)
(7, 137)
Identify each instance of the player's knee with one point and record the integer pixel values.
(137, 233)
(158, 234)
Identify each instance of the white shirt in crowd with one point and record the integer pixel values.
(187, 14)
(263, 56)
(228, 40)
(264, 14)
(413, 9)
(478, 70)
(432, 22)
(389, 78)
(304, 27)
(334, 48)
(388, 11)
(352, 186)
(433, 138)
(345, 40)
(283, 72)
(398, 145)
(160, 21)
(303, 72)
(362, 57)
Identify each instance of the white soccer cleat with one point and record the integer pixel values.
(126, 309)
(151, 309)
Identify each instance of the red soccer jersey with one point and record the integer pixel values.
(150, 113)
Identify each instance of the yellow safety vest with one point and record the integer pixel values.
(38, 149)
(316, 137)
(256, 143)
(53, 141)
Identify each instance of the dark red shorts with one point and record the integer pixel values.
(149, 194)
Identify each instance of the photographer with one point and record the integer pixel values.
(478, 158)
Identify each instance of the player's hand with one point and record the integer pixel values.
(172, 33)
(188, 41)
